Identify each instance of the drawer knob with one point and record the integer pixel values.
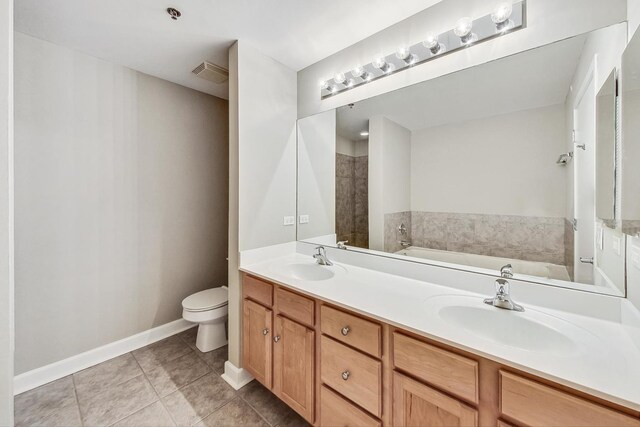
(265, 331)
(345, 330)
(345, 375)
(276, 338)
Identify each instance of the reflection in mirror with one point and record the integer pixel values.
(480, 168)
(606, 129)
(630, 84)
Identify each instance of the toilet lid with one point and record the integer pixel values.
(206, 300)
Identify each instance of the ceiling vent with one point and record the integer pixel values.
(211, 72)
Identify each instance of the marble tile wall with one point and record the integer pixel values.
(352, 204)
(569, 241)
(528, 238)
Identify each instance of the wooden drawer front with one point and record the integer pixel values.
(359, 333)
(536, 404)
(295, 306)
(364, 382)
(337, 412)
(415, 404)
(451, 372)
(257, 290)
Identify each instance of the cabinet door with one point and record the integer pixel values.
(415, 404)
(256, 341)
(293, 365)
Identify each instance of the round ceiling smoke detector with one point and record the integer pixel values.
(174, 13)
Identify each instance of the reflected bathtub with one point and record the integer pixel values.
(530, 268)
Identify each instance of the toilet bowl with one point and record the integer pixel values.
(209, 309)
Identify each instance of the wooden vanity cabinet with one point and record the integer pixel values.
(338, 368)
(279, 343)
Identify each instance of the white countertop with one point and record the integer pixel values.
(608, 365)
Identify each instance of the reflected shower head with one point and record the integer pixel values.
(564, 158)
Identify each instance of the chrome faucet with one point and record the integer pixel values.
(502, 298)
(321, 256)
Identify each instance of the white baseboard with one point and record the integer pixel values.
(40, 376)
(236, 377)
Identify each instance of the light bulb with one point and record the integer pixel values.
(350, 83)
(431, 42)
(403, 53)
(390, 68)
(502, 13)
(358, 71)
(463, 27)
(379, 63)
(364, 133)
(339, 78)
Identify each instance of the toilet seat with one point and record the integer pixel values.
(208, 299)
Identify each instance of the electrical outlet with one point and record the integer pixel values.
(304, 219)
(289, 220)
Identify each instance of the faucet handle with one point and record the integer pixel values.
(506, 271)
(502, 287)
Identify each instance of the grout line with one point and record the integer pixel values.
(154, 390)
(75, 394)
(256, 411)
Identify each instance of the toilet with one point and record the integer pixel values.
(209, 309)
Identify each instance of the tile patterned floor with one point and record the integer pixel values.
(168, 383)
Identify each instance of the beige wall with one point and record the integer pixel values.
(502, 165)
(262, 99)
(121, 201)
(6, 213)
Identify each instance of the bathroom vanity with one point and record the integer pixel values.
(341, 364)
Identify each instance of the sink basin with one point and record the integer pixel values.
(310, 271)
(531, 331)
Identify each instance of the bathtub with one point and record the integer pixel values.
(530, 268)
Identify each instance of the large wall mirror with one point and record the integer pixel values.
(509, 162)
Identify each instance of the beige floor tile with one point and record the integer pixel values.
(275, 411)
(189, 337)
(161, 352)
(194, 402)
(36, 405)
(235, 413)
(67, 416)
(98, 378)
(117, 402)
(172, 375)
(154, 415)
(215, 359)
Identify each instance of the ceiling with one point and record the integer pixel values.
(532, 79)
(139, 34)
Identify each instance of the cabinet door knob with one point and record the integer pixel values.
(345, 375)
(276, 338)
(265, 331)
(345, 330)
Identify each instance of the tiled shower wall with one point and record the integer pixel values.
(519, 237)
(352, 199)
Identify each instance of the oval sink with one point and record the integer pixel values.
(531, 330)
(310, 271)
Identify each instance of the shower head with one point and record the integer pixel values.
(564, 158)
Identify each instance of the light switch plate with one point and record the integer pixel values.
(304, 219)
(289, 220)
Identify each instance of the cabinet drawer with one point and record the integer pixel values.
(448, 371)
(356, 376)
(295, 306)
(533, 403)
(257, 290)
(335, 411)
(347, 328)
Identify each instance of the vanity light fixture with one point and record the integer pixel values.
(505, 18)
